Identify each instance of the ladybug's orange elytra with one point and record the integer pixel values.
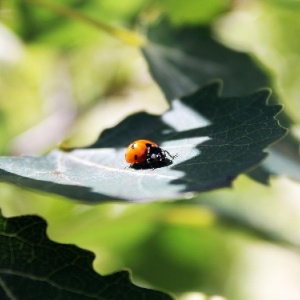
(145, 152)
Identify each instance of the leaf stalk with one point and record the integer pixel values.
(126, 36)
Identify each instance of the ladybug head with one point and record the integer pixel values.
(156, 154)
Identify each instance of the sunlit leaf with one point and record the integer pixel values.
(215, 139)
(179, 59)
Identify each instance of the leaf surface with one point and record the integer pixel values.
(215, 139)
(182, 59)
(34, 267)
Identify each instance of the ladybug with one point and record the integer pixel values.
(145, 153)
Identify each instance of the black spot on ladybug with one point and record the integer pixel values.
(135, 157)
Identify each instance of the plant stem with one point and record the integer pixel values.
(128, 37)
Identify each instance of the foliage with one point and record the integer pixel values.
(214, 140)
(44, 269)
(75, 73)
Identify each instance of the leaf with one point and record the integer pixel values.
(215, 139)
(284, 160)
(34, 267)
(182, 59)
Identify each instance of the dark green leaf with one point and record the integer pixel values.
(182, 59)
(284, 160)
(215, 139)
(34, 267)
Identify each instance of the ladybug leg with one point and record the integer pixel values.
(171, 156)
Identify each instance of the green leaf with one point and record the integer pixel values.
(182, 59)
(34, 267)
(284, 160)
(179, 59)
(215, 139)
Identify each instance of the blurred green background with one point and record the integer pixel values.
(62, 82)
